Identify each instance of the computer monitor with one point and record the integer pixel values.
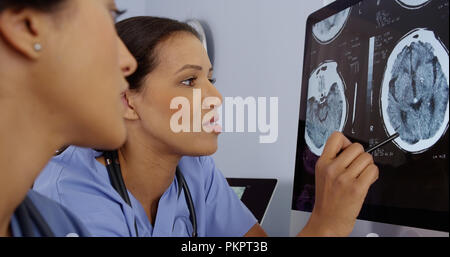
(373, 68)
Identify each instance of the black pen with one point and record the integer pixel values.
(387, 140)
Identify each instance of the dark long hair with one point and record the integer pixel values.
(41, 5)
(141, 36)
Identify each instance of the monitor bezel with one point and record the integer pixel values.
(419, 218)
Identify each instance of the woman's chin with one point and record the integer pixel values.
(109, 139)
(204, 149)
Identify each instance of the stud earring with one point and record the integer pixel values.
(37, 47)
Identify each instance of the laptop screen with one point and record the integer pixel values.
(239, 191)
(255, 193)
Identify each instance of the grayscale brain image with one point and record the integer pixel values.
(418, 93)
(328, 29)
(324, 115)
(413, 3)
(415, 93)
(326, 106)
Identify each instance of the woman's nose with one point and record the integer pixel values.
(127, 62)
(213, 92)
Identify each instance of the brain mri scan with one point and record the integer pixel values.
(413, 4)
(415, 91)
(327, 30)
(326, 109)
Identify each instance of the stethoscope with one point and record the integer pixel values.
(115, 176)
(28, 217)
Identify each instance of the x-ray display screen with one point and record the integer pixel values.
(239, 191)
(373, 68)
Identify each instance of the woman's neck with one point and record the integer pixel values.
(26, 145)
(147, 172)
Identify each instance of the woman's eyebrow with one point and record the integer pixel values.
(112, 4)
(191, 66)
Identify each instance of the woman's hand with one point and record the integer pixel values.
(342, 182)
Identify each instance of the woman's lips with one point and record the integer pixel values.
(216, 128)
(124, 100)
(123, 94)
(212, 125)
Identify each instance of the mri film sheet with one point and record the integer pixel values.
(384, 71)
(327, 30)
(326, 106)
(413, 4)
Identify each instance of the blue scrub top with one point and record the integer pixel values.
(37, 213)
(81, 183)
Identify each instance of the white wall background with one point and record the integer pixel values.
(258, 51)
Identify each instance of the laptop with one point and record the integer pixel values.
(255, 193)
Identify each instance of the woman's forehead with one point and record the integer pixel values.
(182, 49)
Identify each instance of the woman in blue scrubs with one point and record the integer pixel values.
(173, 63)
(59, 61)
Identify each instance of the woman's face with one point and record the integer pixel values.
(84, 64)
(183, 67)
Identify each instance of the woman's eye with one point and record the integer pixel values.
(212, 81)
(115, 14)
(189, 82)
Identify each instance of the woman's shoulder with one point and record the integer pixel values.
(73, 161)
(75, 166)
(75, 156)
(196, 164)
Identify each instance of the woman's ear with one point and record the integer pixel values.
(22, 30)
(130, 112)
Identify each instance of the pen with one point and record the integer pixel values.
(387, 140)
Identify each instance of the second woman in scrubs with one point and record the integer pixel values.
(172, 62)
(59, 61)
